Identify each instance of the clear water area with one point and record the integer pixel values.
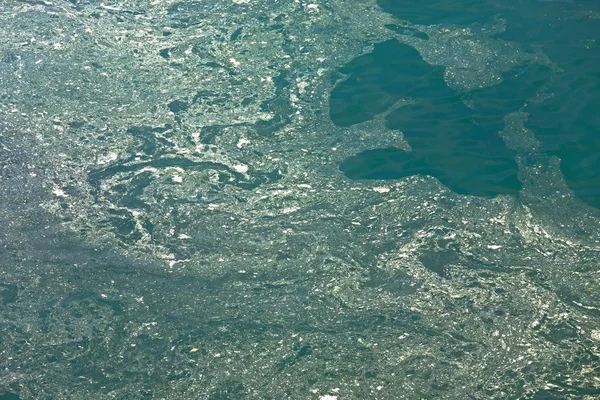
(460, 145)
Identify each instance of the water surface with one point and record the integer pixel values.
(262, 200)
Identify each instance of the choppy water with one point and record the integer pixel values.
(274, 199)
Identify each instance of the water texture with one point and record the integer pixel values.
(255, 199)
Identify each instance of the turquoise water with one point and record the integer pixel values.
(454, 134)
(456, 144)
(332, 200)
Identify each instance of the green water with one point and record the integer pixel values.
(454, 133)
(456, 144)
(266, 199)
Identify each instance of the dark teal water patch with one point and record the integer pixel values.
(443, 12)
(479, 177)
(379, 79)
(567, 123)
(429, 12)
(456, 143)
